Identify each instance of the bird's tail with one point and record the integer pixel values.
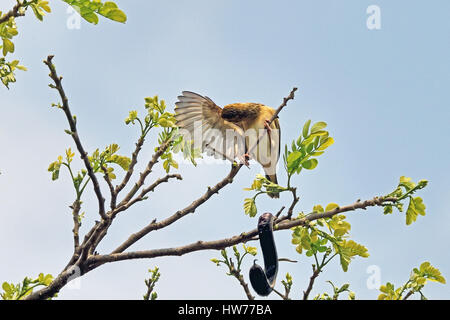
(273, 178)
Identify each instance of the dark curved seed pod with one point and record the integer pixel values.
(259, 281)
(263, 281)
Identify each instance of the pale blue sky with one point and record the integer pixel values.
(384, 94)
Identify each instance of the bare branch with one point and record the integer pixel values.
(130, 171)
(295, 200)
(315, 274)
(280, 211)
(181, 213)
(127, 202)
(110, 186)
(76, 206)
(150, 286)
(119, 255)
(145, 191)
(74, 133)
(275, 115)
(237, 274)
(410, 293)
(155, 158)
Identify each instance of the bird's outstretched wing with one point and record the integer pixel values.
(200, 121)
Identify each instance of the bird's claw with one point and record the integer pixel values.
(267, 126)
(244, 159)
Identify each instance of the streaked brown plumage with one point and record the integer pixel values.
(232, 131)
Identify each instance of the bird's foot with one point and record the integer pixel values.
(267, 126)
(244, 159)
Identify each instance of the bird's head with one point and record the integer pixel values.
(238, 112)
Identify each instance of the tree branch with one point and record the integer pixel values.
(181, 213)
(243, 284)
(275, 115)
(119, 255)
(155, 158)
(130, 171)
(84, 257)
(74, 133)
(194, 205)
(14, 12)
(127, 202)
(145, 191)
(76, 206)
(295, 200)
(315, 274)
(150, 286)
(410, 293)
(124, 207)
(110, 186)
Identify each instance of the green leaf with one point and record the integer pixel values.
(349, 249)
(8, 46)
(89, 16)
(37, 12)
(318, 208)
(117, 15)
(318, 126)
(251, 250)
(326, 143)
(310, 164)
(122, 161)
(309, 147)
(306, 129)
(431, 273)
(293, 160)
(406, 183)
(89, 10)
(166, 165)
(331, 206)
(257, 183)
(387, 209)
(250, 207)
(7, 287)
(415, 207)
(55, 172)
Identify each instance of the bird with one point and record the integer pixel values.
(232, 131)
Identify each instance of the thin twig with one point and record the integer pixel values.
(145, 191)
(110, 185)
(315, 274)
(150, 286)
(275, 115)
(410, 293)
(130, 171)
(181, 213)
(237, 274)
(74, 133)
(295, 200)
(280, 211)
(155, 158)
(127, 203)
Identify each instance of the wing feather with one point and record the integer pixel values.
(194, 112)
